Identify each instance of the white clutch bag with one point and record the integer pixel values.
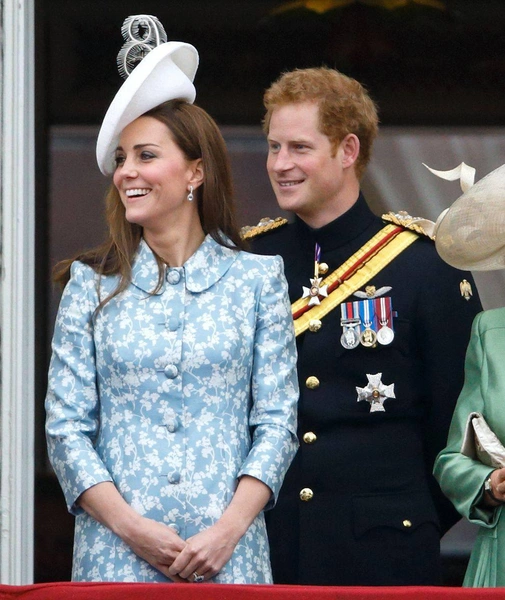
(480, 443)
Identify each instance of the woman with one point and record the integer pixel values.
(171, 408)
(470, 236)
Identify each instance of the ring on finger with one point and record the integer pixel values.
(197, 578)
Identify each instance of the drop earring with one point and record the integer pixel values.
(190, 194)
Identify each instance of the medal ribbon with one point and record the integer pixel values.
(317, 258)
(350, 311)
(343, 311)
(371, 258)
(366, 315)
(383, 309)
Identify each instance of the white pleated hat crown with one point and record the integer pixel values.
(156, 70)
(471, 234)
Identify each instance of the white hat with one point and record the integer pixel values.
(165, 73)
(471, 233)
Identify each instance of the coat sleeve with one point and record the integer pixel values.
(273, 416)
(461, 478)
(72, 401)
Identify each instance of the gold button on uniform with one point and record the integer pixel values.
(310, 437)
(314, 325)
(306, 494)
(407, 523)
(323, 268)
(312, 382)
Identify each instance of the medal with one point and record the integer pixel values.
(350, 338)
(385, 335)
(368, 337)
(375, 392)
(316, 289)
(350, 322)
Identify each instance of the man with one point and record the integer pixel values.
(382, 326)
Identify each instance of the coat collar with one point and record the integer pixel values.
(202, 270)
(340, 231)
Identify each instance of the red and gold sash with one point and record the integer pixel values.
(371, 258)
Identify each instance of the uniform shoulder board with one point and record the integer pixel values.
(249, 232)
(417, 224)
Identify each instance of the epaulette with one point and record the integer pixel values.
(249, 232)
(417, 224)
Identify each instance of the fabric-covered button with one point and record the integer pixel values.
(171, 420)
(171, 371)
(310, 437)
(173, 276)
(171, 425)
(312, 382)
(173, 324)
(174, 477)
(306, 494)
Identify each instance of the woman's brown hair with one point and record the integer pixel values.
(198, 136)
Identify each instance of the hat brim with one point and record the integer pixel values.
(471, 235)
(166, 73)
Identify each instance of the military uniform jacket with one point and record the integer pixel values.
(372, 513)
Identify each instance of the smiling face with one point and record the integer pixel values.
(153, 176)
(308, 176)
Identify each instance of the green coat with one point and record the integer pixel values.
(462, 478)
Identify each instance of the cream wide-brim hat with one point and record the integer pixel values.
(471, 234)
(165, 73)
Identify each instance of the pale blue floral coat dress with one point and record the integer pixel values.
(173, 396)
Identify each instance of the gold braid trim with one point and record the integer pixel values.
(369, 269)
(417, 224)
(248, 232)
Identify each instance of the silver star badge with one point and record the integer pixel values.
(315, 290)
(376, 392)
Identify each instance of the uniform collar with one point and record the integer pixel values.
(339, 232)
(202, 270)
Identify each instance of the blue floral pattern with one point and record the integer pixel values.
(173, 396)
